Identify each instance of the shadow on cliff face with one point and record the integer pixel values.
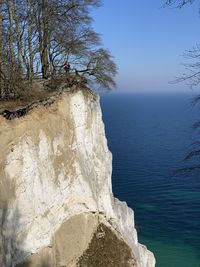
(43, 263)
(12, 241)
(12, 235)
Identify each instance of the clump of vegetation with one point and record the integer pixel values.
(106, 249)
(38, 37)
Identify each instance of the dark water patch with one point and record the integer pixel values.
(149, 135)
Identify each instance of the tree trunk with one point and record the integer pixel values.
(30, 70)
(45, 53)
(19, 40)
(1, 54)
(43, 36)
(11, 49)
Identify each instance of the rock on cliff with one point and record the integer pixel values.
(56, 202)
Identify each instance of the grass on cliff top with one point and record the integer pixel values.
(41, 89)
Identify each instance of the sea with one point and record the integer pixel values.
(149, 136)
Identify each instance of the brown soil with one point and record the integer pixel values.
(36, 92)
(42, 92)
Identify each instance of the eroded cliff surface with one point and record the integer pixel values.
(56, 202)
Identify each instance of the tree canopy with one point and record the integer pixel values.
(37, 37)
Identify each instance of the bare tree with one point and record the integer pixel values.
(100, 68)
(192, 67)
(43, 18)
(10, 41)
(19, 33)
(29, 56)
(192, 78)
(42, 35)
(179, 3)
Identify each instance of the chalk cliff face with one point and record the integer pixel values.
(56, 201)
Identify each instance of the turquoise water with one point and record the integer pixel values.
(149, 135)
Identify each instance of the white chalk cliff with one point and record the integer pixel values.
(56, 193)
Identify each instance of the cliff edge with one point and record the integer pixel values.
(56, 203)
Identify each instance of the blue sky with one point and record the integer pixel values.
(147, 41)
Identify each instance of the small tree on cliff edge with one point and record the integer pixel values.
(42, 35)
